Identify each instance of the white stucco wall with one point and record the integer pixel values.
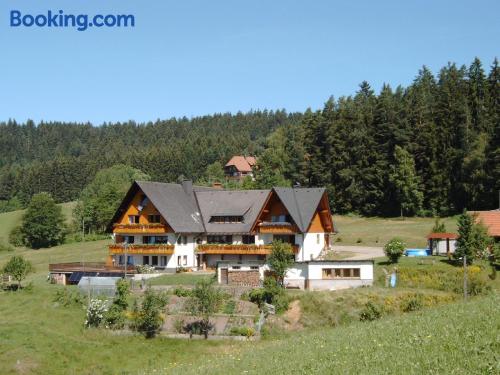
(312, 245)
(439, 246)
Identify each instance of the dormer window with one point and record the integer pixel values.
(226, 219)
(280, 219)
(133, 219)
(154, 218)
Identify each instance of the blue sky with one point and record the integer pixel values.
(189, 58)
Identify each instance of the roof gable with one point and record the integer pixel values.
(301, 203)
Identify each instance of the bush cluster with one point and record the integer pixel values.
(242, 331)
(270, 293)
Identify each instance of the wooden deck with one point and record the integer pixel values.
(87, 267)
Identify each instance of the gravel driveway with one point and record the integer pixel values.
(362, 252)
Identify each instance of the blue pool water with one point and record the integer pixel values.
(417, 252)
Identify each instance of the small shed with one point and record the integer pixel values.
(98, 286)
(442, 243)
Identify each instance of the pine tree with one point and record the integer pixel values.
(406, 182)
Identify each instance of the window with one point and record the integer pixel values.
(145, 259)
(235, 267)
(161, 239)
(120, 259)
(184, 260)
(182, 240)
(248, 239)
(254, 267)
(154, 218)
(285, 238)
(129, 239)
(147, 240)
(341, 273)
(280, 219)
(154, 260)
(226, 219)
(179, 261)
(133, 219)
(317, 239)
(220, 239)
(163, 260)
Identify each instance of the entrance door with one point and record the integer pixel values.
(224, 276)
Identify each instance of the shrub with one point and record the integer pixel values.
(67, 297)
(371, 311)
(150, 319)
(145, 268)
(18, 268)
(95, 313)
(179, 325)
(242, 331)
(205, 301)
(115, 317)
(182, 292)
(271, 293)
(412, 303)
(16, 237)
(230, 307)
(198, 327)
(394, 249)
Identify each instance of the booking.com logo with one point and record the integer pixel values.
(81, 22)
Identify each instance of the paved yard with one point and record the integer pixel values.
(362, 252)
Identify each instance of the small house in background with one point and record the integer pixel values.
(491, 220)
(239, 167)
(310, 275)
(442, 243)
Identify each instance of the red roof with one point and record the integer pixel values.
(242, 163)
(491, 219)
(442, 236)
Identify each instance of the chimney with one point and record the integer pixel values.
(187, 186)
(217, 185)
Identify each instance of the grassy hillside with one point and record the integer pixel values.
(460, 338)
(10, 220)
(378, 231)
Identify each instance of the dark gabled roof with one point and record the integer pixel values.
(246, 203)
(301, 203)
(176, 205)
(175, 202)
(188, 208)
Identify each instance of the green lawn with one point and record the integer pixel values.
(10, 220)
(356, 230)
(459, 338)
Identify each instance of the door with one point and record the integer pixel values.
(224, 276)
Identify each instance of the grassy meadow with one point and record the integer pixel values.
(39, 336)
(374, 231)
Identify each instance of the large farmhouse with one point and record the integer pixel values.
(169, 226)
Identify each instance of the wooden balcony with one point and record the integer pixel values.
(238, 249)
(87, 267)
(152, 228)
(151, 249)
(277, 228)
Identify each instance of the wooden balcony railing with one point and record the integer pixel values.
(87, 267)
(277, 228)
(154, 249)
(152, 228)
(239, 249)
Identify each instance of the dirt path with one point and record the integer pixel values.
(362, 252)
(292, 316)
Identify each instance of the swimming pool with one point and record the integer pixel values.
(417, 252)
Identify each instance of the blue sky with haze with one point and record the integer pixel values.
(188, 58)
